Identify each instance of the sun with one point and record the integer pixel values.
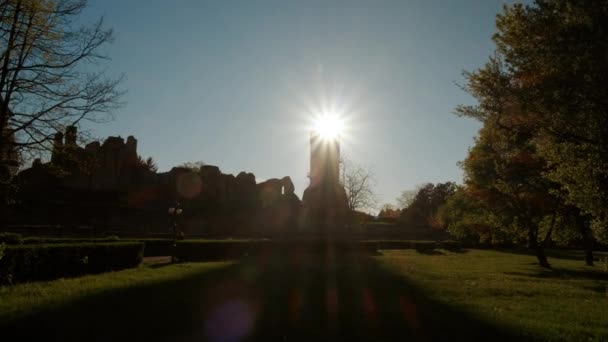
(328, 126)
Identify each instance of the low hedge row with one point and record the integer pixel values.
(206, 250)
(53, 240)
(23, 263)
(18, 239)
(11, 238)
(154, 247)
(418, 245)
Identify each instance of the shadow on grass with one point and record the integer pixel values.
(287, 297)
(429, 252)
(159, 265)
(561, 273)
(565, 254)
(458, 250)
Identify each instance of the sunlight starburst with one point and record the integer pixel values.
(328, 125)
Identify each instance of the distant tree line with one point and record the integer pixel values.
(420, 207)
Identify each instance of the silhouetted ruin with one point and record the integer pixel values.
(105, 186)
(324, 200)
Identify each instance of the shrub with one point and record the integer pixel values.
(46, 262)
(450, 245)
(11, 238)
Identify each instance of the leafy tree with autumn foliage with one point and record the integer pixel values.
(555, 58)
(466, 218)
(542, 154)
(550, 77)
(504, 173)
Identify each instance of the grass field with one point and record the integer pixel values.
(400, 295)
(569, 302)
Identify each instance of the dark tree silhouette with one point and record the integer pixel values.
(425, 204)
(47, 75)
(147, 164)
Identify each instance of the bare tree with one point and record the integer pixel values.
(194, 166)
(359, 182)
(407, 196)
(48, 79)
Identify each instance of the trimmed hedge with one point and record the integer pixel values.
(207, 250)
(153, 247)
(46, 262)
(418, 245)
(53, 240)
(11, 238)
(18, 239)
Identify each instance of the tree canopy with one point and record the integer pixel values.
(542, 101)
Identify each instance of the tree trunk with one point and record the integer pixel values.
(538, 248)
(583, 227)
(548, 236)
(542, 258)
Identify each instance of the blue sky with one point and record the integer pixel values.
(232, 83)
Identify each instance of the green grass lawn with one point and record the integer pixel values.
(569, 302)
(400, 295)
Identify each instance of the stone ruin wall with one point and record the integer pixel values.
(108, 186)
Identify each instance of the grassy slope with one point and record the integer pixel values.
(26, 299)
(477, 295)
(569, 302)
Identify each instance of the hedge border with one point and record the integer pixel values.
(25, 263)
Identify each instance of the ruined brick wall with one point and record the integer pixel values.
(105, 184)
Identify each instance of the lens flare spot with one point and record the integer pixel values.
(189, 185)
(409, 312)
(231, 321)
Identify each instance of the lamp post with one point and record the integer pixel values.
(174, 212)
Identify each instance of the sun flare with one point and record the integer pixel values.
(329, 126)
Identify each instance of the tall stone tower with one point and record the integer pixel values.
(324, 160)
(324, 200)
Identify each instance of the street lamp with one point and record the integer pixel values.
(174, 212)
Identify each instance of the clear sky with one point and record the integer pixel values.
(234, 83)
